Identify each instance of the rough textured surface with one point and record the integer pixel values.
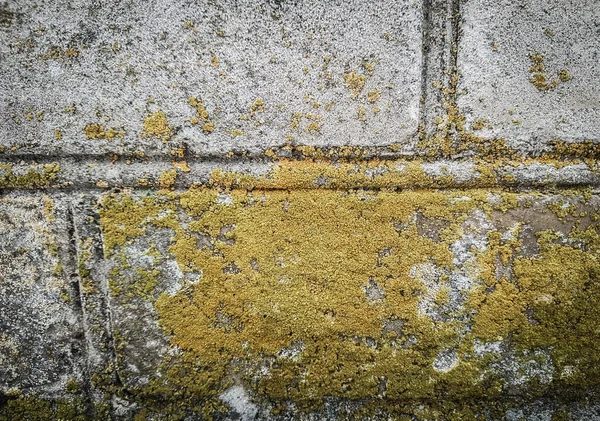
(405, 294)
(284, 210)
(84, 76)
(40, 322)
(528, 70)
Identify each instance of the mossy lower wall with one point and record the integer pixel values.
(377, 297)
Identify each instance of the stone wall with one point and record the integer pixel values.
(279, 210)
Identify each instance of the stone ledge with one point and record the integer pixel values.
(141, 173)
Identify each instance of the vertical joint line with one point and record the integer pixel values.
(75, 281)
(425, 40)
(454, 42)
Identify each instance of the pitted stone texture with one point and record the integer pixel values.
(41, 347)
(496, 52)
(66, 65)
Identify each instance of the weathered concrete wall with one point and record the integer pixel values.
(299, 210)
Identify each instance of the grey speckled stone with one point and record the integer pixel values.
(497, 41)
(292, 55)
(41, 347)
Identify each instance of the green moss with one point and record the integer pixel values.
(72, 386)
(562, 209)
(284, 285)
(39, 176)
(30, 408)
(143, 284)
(123, 219)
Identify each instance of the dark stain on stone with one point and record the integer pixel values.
(430, 227)
(394, 326)
(88, 36)
(3, 399)
(529, 243)
(6, 17)
(231, 269)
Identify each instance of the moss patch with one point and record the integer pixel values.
(156, 125)
(314, 294)
(37, 176)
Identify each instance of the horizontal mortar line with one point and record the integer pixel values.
(108, 156)
(179, 188)
(368, 150)
(92, 185)
(333, 152)
(189, 157)
(261, 158)
(517, 189)
(131, 161)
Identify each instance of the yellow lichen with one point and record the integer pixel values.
(288, 275)
(479, 124)
(362, 114)
(257, 106)
(369, 67)
(201, 116)
(236, 132)
(355, 82)
(156, 125)
(37, 176)
(373, 95)
(539, 78)
(313, 269)
(48, 209)
(564, 75)
(345, 175)
(123, 219)
(313, 127)
(98, 131)
(565, 150)
(202, 113)
(167, 179)
(181, 165)
(562, 209)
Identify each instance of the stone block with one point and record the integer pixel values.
(278, 301)
(91, 78)
(42, 352)
(528, 71)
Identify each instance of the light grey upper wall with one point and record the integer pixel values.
(292, 55)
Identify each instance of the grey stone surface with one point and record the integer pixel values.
(92, 273)
(41, 348)
(439, 32)
(496, 52)
(140, 342)
(66, 65)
